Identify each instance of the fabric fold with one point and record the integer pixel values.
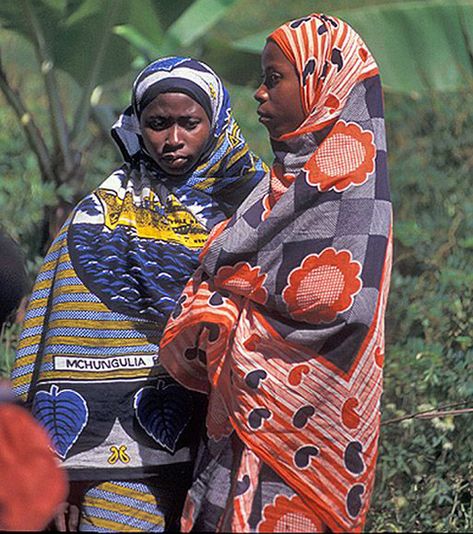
(284, 321)
(88, 355)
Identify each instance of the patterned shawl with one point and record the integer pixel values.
(110, 280)
(284, 322)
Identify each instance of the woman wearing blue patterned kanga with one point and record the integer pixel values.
(87, 360)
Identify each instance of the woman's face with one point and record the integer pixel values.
(280, 108)
(175, 130)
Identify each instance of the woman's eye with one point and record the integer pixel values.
(272, 79)
(156, 124)
(191, 124)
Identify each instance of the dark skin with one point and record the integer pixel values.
(175, 130)
(280, 107)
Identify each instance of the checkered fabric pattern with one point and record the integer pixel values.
(296, 352)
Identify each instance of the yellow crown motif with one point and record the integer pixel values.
(153, 220)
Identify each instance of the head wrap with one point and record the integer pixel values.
(183, 75)
(286, 314)
(111, 279)
(329, 59)
(174, 74)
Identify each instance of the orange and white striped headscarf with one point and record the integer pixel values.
(330, 58)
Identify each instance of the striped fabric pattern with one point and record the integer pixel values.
(108, 284)
(74, 322)
(124, 507)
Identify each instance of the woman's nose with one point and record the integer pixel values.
(261, 94)
(174, 137)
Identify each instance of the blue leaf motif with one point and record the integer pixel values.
(63, 414)
(163, 412)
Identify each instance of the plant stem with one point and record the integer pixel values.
(431, 414)
(32, 132)
(83, 109)
(58, 120)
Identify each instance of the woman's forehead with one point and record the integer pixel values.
(273, 57)
(174, 104)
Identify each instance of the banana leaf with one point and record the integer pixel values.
(419, 46)
(72, 34)
(190, 24)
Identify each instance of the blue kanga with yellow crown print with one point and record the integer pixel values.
(135, 251)
(88, 357)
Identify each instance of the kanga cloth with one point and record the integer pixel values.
(109, 282)
(131, 506)
(283, 325)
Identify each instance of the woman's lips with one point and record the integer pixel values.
(263, 118)
(174, 161)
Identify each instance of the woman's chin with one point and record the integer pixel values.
(273, 133)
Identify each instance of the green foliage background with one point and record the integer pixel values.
(425, 470)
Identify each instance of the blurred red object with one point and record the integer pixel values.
(32, 484)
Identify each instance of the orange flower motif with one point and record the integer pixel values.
(243, 279)
(345, 158)
(322, 286)
(289, 515)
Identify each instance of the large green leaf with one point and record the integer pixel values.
(72, 35)
(147, 48)
(191, 24)
(143, 16)
(419, 46)
(71, 38)
(236, 67)
(196, 21)
(57, 4)
(170, 10)
(13, 17)
(74, 51)
(86, 9)
(252, 44)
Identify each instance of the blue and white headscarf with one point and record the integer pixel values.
(227, 170)
(87, 355)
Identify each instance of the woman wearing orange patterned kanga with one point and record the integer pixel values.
(283, 323)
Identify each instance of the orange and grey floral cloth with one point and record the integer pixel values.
(283, 324)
